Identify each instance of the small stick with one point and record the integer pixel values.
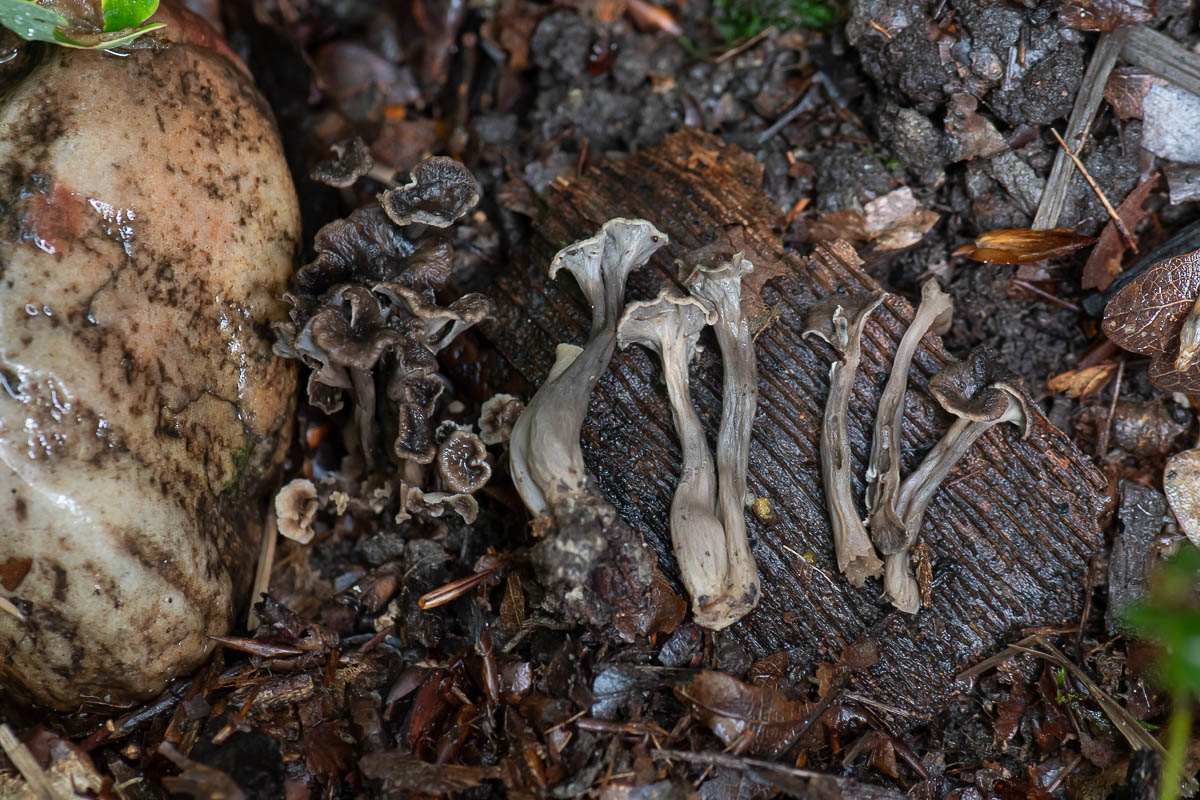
(1102, 444)
(746, 45)
(7, 605)
(26, 764)
(1049, 298)
(1112, 212)
(262, 573)
(880, 28)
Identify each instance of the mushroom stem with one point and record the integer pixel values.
(721, 288)
(670, 325)
(883, 467)
(596, 569)
(545, 457)
(968, 390)
(840, 320)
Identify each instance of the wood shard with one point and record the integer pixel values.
(1010, 535)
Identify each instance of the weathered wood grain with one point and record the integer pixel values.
(1011, 533)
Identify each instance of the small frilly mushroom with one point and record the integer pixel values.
(497, 416)
(441, 191)
(462, 459)
(416, 502)
(839, 320)
(351, 161)
(596, 568)
(366, 245)
(714, 576)
(545, 457)
(295, 508)
(883, 468)
(720, 287)
(969, 390)
(343, 342)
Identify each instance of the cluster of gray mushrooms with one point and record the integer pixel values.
(967, 389)
(708, 523)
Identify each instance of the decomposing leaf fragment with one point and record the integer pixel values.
(1105, 15)
(891, 222)
(1181, 484)
(749, 719)
(1022, 245)
(1083, 382)
(1104, 262)
(1148, 316)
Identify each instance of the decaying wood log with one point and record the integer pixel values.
(1010, 534)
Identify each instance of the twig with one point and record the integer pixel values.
(1102, 443)
(26, 764)
(796, 780)
(1163, 56)
(1112, 212)
(1091, 92)
(789, 115)
(7, 605)
(262, 573)
(1049, 298)
(746, 45)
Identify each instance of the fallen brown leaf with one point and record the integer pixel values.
(1104, 262)
(1147, 315)
(891, 222)
(749, 719)
(1083, 382)
(1022, 245)
(1105, 15)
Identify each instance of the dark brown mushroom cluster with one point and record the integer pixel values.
(969, 390)
(366, 319)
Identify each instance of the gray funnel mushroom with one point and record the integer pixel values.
(839, 320)
(721, 288)
(545, 457)
(883, 468)
(596, 567)
(969, 390)
(715, 575)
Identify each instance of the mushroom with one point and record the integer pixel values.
(721, 288)
(717, 577)
(364, 245)
(596, 568)
(295, 509)
(839, 320)
(351, 161)
(969, 390)
(545, 457)
(497, 416)
(441, 191)
(883, 467)
(462, 459)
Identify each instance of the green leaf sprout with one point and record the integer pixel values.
(1171, 617)
(114, 24)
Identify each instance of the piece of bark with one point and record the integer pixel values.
(1011, 534)
(1134, 551)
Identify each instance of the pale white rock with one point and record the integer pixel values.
(148, 226)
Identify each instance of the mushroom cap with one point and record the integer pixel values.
(441, 191)
(351, 161)
(295, 508)
(971, 389)
(364, 245)
(668, 317)
(940, 303)
(462, 459)
(497, 416)
(606, 259)
(839, 318)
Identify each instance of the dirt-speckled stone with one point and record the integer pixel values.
(148, 225)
